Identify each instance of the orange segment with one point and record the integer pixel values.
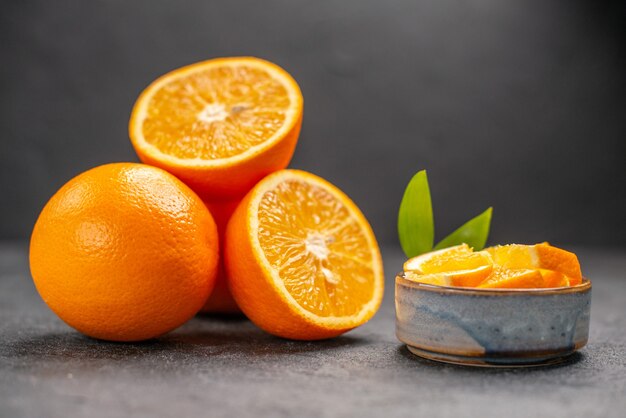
(514, 256)
(219, 125)
(470, 278)
(434, 279)
(540, 256)
(506, 266)
(453, 259)
(422, 262)
(503, 278)
(302, 260)
(461, 278)
(554, 258)
(553, 278)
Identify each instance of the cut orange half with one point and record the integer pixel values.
(434, 279)
(302, 260)
(219, 125)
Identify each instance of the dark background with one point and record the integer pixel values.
(516, 104)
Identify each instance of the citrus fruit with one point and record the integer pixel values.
(461, 266)
(302, 260)
(124, 252)
(553, 278)
(219, 125)
(461, 278)
(439, 279)
(538, 256)
(221, 300)
(503, 278)
(504, 266)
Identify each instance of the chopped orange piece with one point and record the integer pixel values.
(553, 278)
(451, 259)
(553, 258)
(514, 256)
(503, 278)
(421, 262)
(461, 278)
(504, 266)
(539, 256)
(435, 279)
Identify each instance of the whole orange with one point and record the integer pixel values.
(124, 252)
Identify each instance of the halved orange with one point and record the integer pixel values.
(460, 264)
(219, 125)
(538, 256)
(434, 279)
(302, 260)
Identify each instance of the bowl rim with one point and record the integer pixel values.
(579, 288)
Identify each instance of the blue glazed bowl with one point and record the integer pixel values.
(492, 327)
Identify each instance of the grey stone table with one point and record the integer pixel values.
(227, 367)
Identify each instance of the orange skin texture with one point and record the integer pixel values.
(230, 181)
(221, 300)
(124, 252)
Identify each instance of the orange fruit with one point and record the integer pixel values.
(302, 260)
(219, 125)
(434, 279)
(503, 278)
(460, 278)
(506, 266)
(124, 252)
(553, 278)
(221, 300)
(538, 256)
(460, 265)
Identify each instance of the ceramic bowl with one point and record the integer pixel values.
(492, 327)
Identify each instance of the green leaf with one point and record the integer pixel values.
(416, 228)
(473, 232)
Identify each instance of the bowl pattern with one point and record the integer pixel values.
(492, 327)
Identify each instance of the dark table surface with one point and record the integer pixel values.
(227, 367)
